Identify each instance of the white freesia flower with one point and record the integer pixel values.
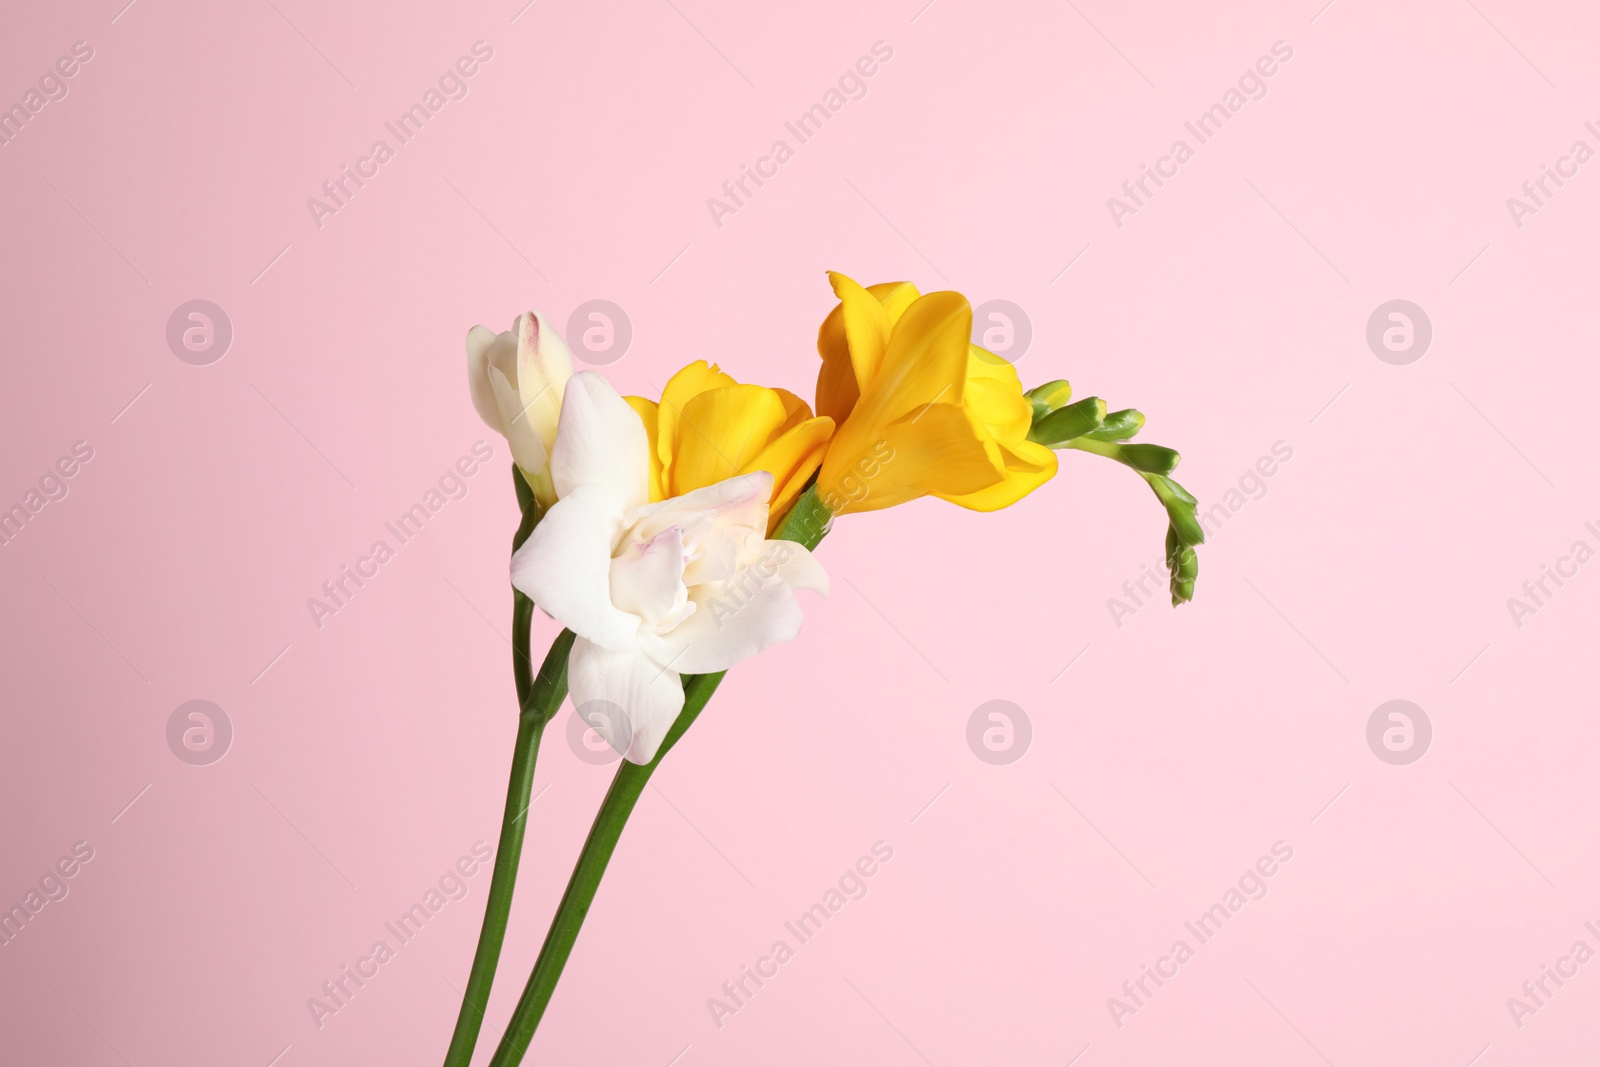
(518, 378)
(689, 585)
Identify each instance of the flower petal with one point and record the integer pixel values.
(601, 443)
(741, 499)
(720, 431)
(527, 449)
(838, 387)
(565, 567)
(647, 579)
(1000, 408)
(926, 360)
(631, 701)
(480, 343)
(792, 459)
(649, 415)
(837, 391)
(1028, 466)
(866, 327)
(544, 365)
(795, 410)
(895, 297)
(719, 523)
(937, 450)
(683, 386)
(733, 621)
(796, 566)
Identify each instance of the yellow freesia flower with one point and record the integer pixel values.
(921, 410)
(708, 428)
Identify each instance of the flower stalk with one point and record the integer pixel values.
(538, 698)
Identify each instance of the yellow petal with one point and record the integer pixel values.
(794, 452)
(982, 363)
(795, 410)
(837, 391)
(925, 362)
(719, 432)
(647, 411)
(838, 383)
(866, 327)
(1028, 466)
(792, 458)
(1000, 408)
(934, 450)
(895, 298)
(689, 382)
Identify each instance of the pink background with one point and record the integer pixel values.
(370, 754)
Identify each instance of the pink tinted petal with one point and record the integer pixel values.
(647, 579)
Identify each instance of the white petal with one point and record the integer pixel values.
(797, 567)
(601, 442)
(722, 524)
(647, 579)
(565, 567)
(544, 364)
(649, 697)
(741, 500)
(734, 620)
(480, 341)
(526, 448)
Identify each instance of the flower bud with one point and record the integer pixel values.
(1048, 397)
(517, 380)
(1056, 428)
(1119, 425)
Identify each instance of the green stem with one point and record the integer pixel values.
(538, 698)
(585, 881)
(807, 524)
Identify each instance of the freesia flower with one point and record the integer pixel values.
(708, 427)
(686, 585)
(654, 550)
(517, 379)
(921, 410)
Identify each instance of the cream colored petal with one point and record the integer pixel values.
(544, 364)
(601, 442)
(565, 567)
(630, 700)
(526, 448)
(480, 339)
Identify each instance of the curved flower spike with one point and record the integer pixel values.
(687, 585)
(1086, 426)
(709, 427)
(517, 380)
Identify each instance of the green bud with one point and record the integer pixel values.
(1049, 396)
(1152, 459)
(1184, 566)
(1063, 424)
(1119, 426)
(1180, 509)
